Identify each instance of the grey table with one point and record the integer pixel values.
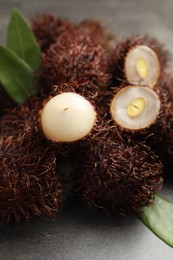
(79, 233)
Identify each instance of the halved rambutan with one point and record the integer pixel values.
(139, 60)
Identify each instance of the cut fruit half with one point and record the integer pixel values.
(142, 65)
(67, 117)
(135, 107)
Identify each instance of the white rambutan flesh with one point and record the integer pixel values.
(142, 65)
(67, 117)
(135, 107)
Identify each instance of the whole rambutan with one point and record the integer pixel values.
(23, 122)
(48, 28)
(117, 176)
(139, 60)
(29, 185)
(74, 57)
(97, 31)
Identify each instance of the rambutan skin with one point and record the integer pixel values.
(47, 28)
(97, 31)
(161, 139)
(22, 120)
(119, 53)
(29, 185)
(74, 57)
(166, 86)
(116, 176)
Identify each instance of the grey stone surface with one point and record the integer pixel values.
(79, 233)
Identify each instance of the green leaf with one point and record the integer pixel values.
(16, 76)
(21, 40)
(159, 218)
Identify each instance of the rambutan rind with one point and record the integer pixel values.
(119, 177)
(29, 185)
(47, 28)
(74, 57)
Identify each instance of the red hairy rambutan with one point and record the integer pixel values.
(48, 28)
(118, 176)
(162, 138)
(22, 120)
(74, 57)
(29, 185)
(97, 31)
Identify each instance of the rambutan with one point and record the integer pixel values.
(166, 86)
(48, 28)
(139, 60)
(67, 116)
(135, 108)
(145, 114)
(22, 120)
(97, 31)
(74, 57)
(118, 176)
(162, 138)
(29, 185)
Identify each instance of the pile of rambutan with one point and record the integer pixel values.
(105, 105)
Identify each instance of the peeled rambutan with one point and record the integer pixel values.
(48, 28)
(74, 57)
(67, 116)
(118, 176)
(29, 185)
(139, 60)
